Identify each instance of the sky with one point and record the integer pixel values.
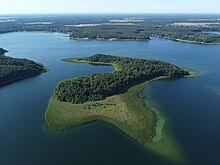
(109, 6)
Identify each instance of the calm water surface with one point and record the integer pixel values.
(192, 105)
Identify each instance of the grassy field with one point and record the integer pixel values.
(126, 111)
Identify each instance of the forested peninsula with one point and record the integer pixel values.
(13, 69)
(113, 97)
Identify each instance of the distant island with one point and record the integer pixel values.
(114, 97)
(13, 69)
(109, 33)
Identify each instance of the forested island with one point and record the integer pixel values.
(111, 97)
(13, 69)
(114, 32)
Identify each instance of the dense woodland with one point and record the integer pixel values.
(109, 32)
(195, 35)
(99, 86)
(12, 69)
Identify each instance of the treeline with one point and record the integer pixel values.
(99, 86)
(12, 69)
(107, 32)
(190, 36)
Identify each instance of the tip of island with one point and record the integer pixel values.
(14, 69)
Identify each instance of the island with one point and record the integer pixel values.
(114, 97)
(14, 69)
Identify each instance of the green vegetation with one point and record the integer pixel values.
(112, 97)
(119, 32)
(13, 69)
(202, 38)
(124, 109)
(98, 87)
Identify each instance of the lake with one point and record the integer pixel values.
(191, 105)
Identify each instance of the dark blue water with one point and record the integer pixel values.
(192, 105)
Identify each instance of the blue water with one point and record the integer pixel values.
(192, 105)
(215, 33)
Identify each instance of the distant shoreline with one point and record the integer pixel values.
(188, 41)
(116, 39)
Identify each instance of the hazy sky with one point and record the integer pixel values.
(109, 6)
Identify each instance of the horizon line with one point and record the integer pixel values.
(40, 13)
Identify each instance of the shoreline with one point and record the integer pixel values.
(76, 60)
(111, 39)
(188, 41)
(164, 143)
(18, 79)
(195, 42)
(102, 39)
(192, 72)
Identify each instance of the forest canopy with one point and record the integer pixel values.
(12, 69)
(99, 86)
